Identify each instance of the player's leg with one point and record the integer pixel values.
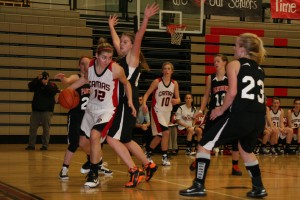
(235, 160)
(266, 137)
(136, 174)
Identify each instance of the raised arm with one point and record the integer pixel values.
(134, 53)
(67, 80)
(112, 22)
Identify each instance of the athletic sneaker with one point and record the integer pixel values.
(136, 175)
(104, 170)
(273, 151)
(257, 192)
(150, 169)
(165, 161)
(289, 151)
(85, 168)
(263, 151)
(197, 189)
(92, 180)
(236, 172)
(193, 166)
(148, 154)
(63, 175)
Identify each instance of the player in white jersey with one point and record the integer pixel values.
(294, 122)
(163, 91)
(279, 130)
(186, 122)
(104, 77)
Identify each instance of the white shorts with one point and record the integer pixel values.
(92, 118)
(281, 136)
(159, 118)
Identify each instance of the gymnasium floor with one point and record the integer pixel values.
(33, 175)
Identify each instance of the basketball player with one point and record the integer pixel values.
(76, 137)
(163, 91)
(128, 47)
(215, 90)
(294, 122)
(104, 77)
(246, 102)
(279, 130)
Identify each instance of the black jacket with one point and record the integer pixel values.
(44, 95)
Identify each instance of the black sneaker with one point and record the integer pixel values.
(85, 168)
(43, 148)
(150, 170)
(257, 192)
(264, 151)
(278, 151)
(236, 172)
(92, 180)
(63, 175)
(30, 148)
(289, 151)
(197, 189)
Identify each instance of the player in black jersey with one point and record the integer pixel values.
(215, 90)
(76, 136)
(246, 118)
(128, 47)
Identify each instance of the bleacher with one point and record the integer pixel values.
(32, 41)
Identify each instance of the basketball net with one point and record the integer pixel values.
(176, 32)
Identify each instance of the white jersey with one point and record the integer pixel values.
(103, 89)
(295, 119)
(103, 100)
(275, 117)
(162, 96)
(186, 115)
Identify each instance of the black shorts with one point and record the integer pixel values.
(242, 127)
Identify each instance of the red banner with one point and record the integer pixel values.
(285, 9)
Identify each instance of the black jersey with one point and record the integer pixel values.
(218, 91)
(84, 93)
(133, 75)
(250, 88)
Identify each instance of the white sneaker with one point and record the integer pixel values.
(165, 161)
(63, 175)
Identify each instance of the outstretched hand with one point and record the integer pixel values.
(59, 76)
(113, 20)
(132, 109)
(151, 10)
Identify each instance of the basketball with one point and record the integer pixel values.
(68, 98)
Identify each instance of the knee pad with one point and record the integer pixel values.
(72, 148)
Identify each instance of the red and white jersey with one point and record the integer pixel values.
(275, 117)
(186, 115)
(104, 89)
(295, 119)
(162, 96)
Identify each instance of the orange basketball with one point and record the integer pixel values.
(69, 98)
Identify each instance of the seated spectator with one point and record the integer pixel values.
(294, 122)
(185, 121)
(142, 126)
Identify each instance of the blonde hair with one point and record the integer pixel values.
(253, 45)
(143, 62)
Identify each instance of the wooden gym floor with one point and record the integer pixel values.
(29, 175)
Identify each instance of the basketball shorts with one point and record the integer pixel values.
(94, 118)
(159, 121)
(232, 127)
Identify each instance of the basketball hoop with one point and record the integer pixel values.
(176, 31)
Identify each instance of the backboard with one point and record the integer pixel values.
(187, 12)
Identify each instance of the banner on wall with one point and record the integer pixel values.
(285, 9)
(238, 8)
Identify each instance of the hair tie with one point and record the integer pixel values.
(105, 49)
